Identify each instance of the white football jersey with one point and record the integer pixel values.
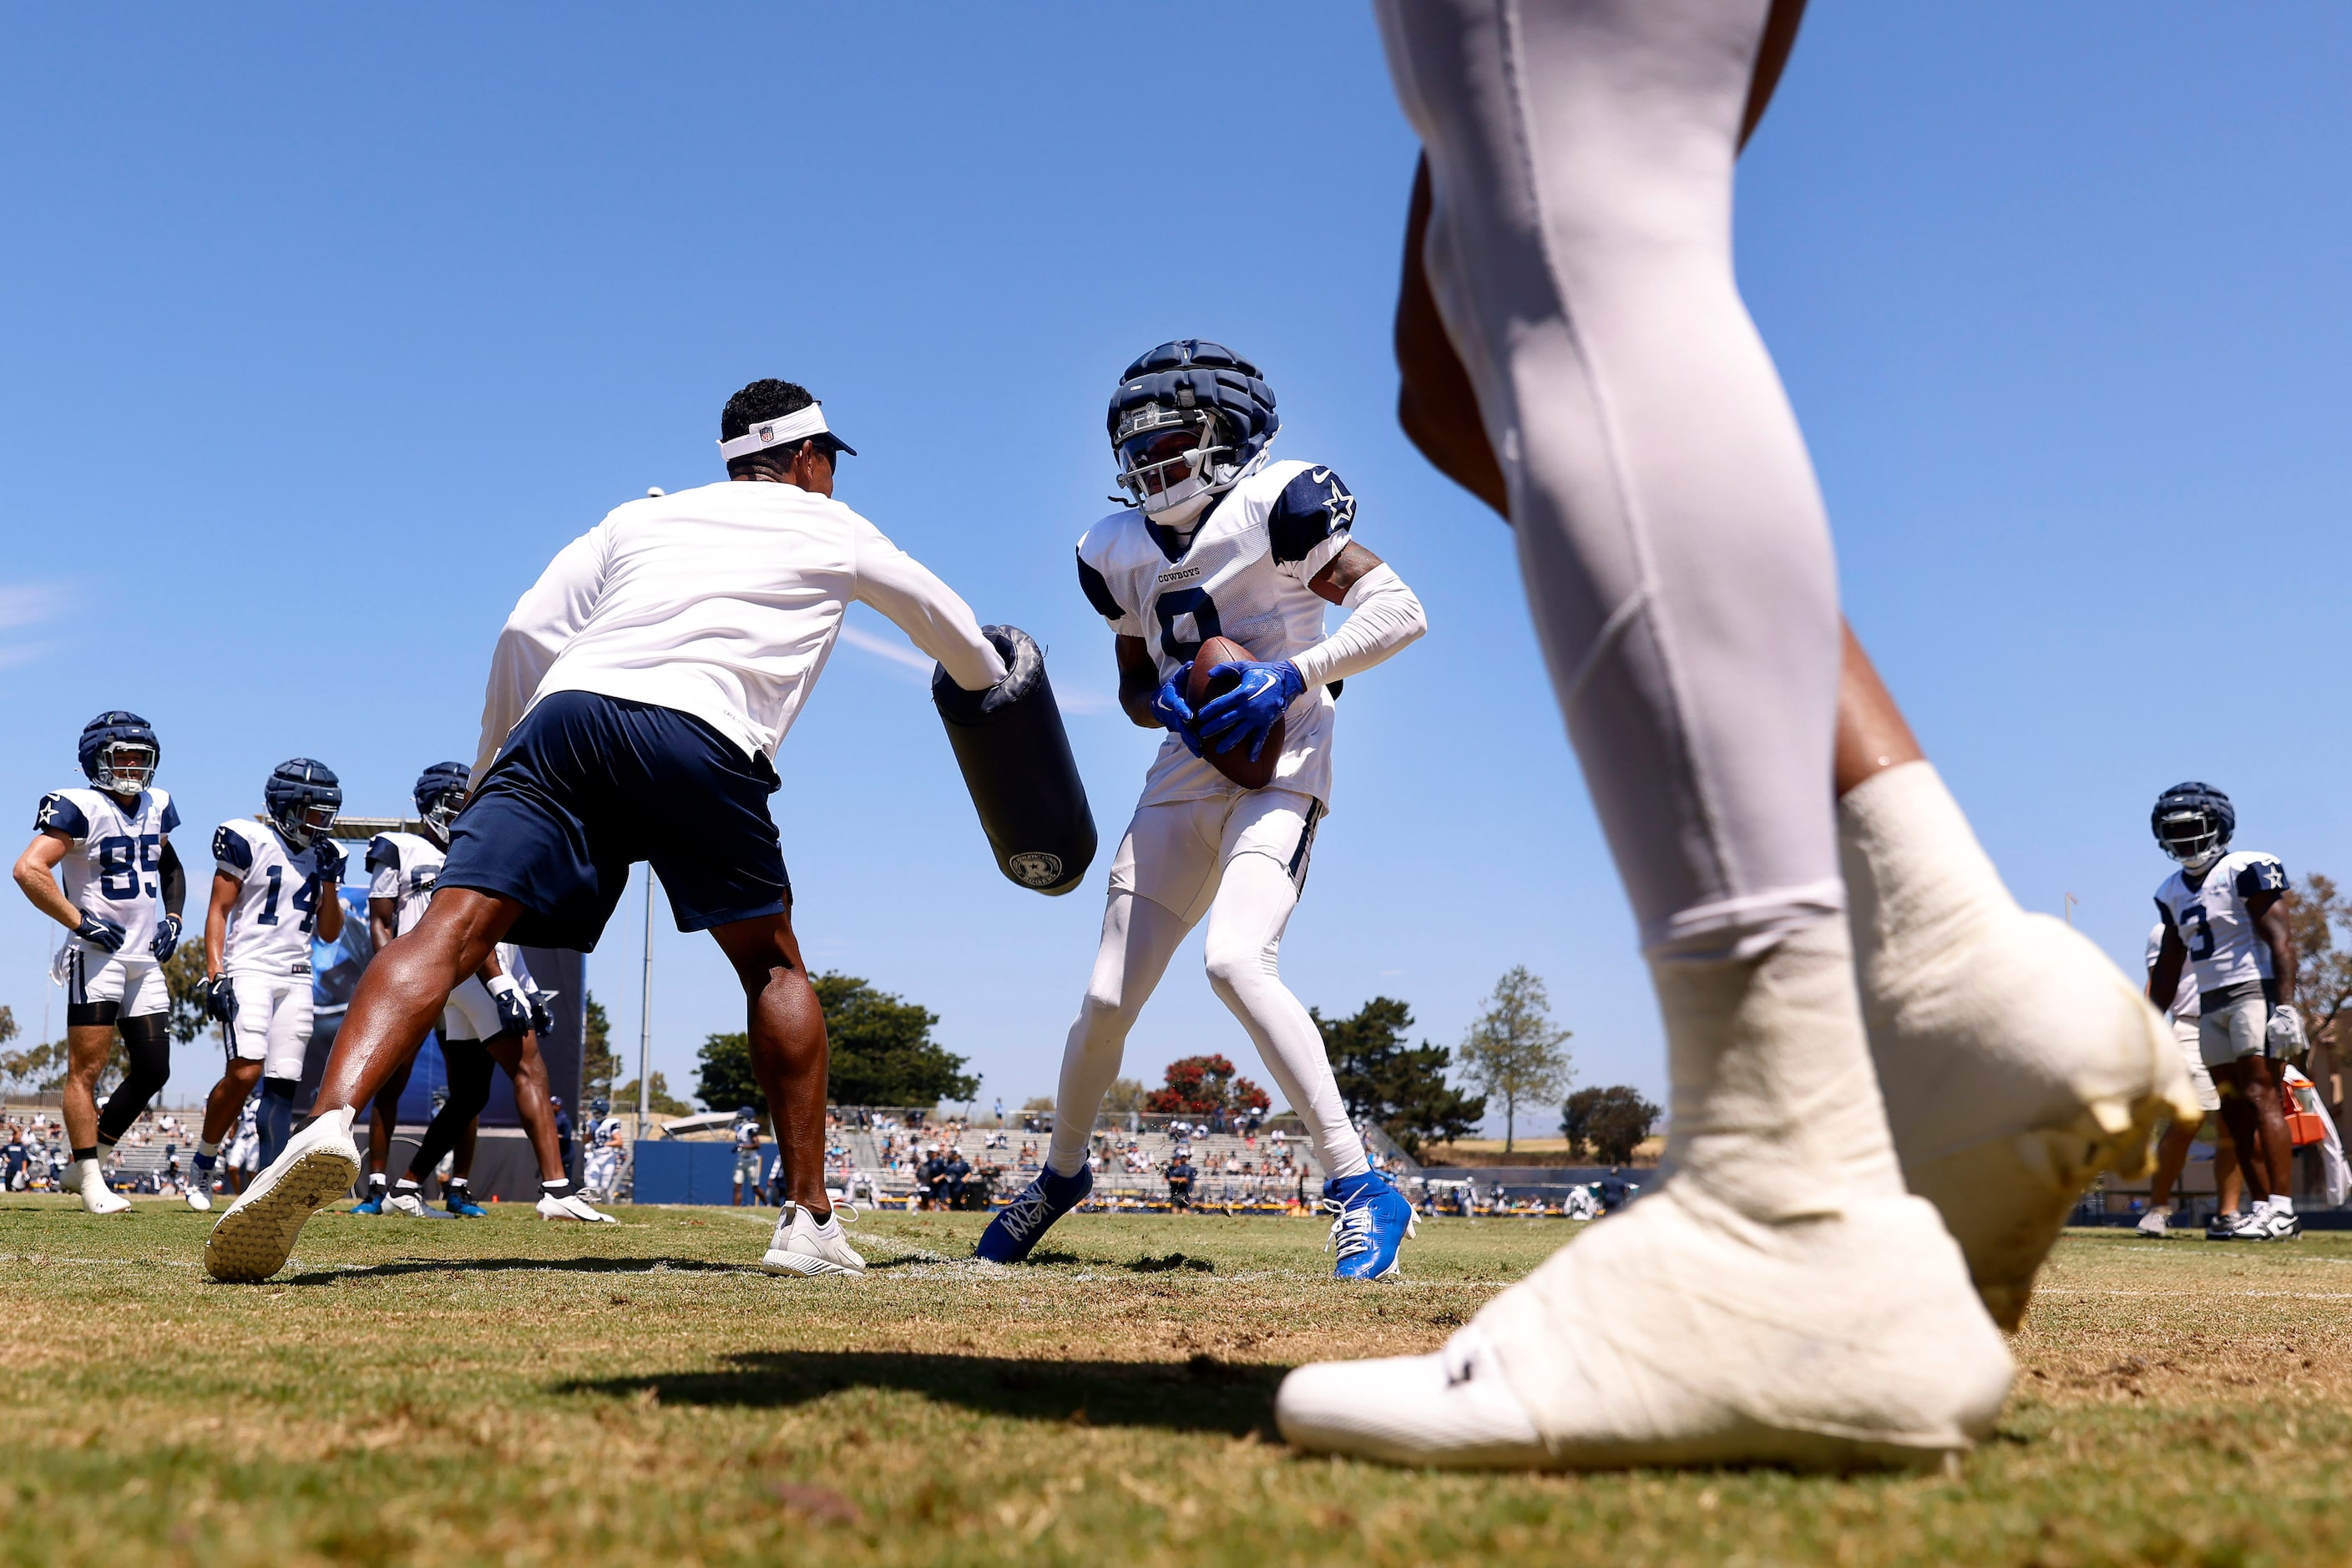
(2185, 1005)
(405, 865)
(279, 890)
(114, 869)
(2224, 949)
(607, 1134)
(1242, 574)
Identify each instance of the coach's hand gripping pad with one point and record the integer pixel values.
(1016, 762)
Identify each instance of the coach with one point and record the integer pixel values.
(636, 700)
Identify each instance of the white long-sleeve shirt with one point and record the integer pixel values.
(723, 602)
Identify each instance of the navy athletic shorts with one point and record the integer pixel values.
(589, 784)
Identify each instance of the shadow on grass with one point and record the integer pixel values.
(1204, 1394)
(516, 1264)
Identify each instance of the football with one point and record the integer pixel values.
(1203, 686)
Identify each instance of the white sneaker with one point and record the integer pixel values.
(199, 1199)
(317, 1166)
(805, 1246)
(2017, 1062)
(410, 1203)
(2263, 1222)
(572, 1207)
(2154, 1224)
(1777, 1299)
(1683, 1333)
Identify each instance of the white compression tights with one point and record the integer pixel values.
(1670, 532)
(1245, 937)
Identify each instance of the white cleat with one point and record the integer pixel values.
(807, 1247)
(252, 1240)
(1682, 1332)
(2155, 1225)
(200, 1200)
(96, 1198)
(572, 1207)
(2018, 1064)
(410, 1204)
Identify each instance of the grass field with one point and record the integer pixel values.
(517, 1391)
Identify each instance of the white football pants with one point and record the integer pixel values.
(1671, 536)
(1252, 901)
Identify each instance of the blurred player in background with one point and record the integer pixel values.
(2225, 920)
(121, 903)
(747, 1158)
(1221, 540)
(2172, 1151)
(276, 888)
(1575, 351)
(636, 702)
(601, 1167)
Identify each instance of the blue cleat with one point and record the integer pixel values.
(1374, 1220)
(465, 1208)
(372, 1204)
(1011, 1234)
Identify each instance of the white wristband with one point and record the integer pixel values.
(499, 985)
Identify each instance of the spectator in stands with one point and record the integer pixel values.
(956, 1168)
(1180, 1180)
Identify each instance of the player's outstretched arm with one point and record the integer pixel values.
(36, 875)
(1383, 615)
(930, 612)
(1138, 682)
(545, 619)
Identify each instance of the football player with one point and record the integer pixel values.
(646, 682)
(1218, 539)
(602, 1164)
(1576, 352)
(275, 884)
(2225, 919)
(2172, 1151)
(493, 1016)
(123, 894)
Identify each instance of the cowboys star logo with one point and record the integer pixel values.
(48, 813)
(1338, 503)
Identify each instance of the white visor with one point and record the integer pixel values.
(792, 428)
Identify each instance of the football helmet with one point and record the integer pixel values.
(119, 752)
(1189, 419)
(303, 799)
(440, 796)
(2193, 822)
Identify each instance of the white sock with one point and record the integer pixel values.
(2282, 1204)
(208, 1147)
(1243, 948)
(88, 1174)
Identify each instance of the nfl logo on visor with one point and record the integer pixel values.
(767, 432)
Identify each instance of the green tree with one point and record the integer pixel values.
(7, 1025)
(2322, 981)
(1513, 1051)
(1612, 1122)
(1199, 1085)
(598, 1064)
(664, 1102)
(37, 1068)
(1125, 1094)
(1385, 1079)
(882, 1051)
(184, 977)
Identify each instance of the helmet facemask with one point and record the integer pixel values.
(1173, 462)
(2193, 837)
(124, 767)
(305, 822)
(441, 811)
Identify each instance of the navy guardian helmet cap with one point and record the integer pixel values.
(440, 795)
(1188, 420)
(303, 799)
(2193, 822)
(119, 752)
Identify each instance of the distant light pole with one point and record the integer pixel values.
(645, 1016)
(2071, 902)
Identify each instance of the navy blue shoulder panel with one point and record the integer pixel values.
(230, 848)
(171, 813)
(1313, 506)
(1098, 591)
(58, 814)
(381, 852)
(2263, 876)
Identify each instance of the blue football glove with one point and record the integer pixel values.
(101, 933)
(220, 999)
(541, 1020)
(167, 938)
(330, 863)
(1248, 713)
(514, 1008)
(1172, 711)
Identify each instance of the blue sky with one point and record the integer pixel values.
(326, 328)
